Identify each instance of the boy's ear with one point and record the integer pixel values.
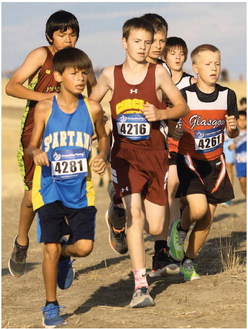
(195, 68)
(124, 43)
(50, 40)
(57, 76)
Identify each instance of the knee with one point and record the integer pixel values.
(134, 215)
(197, 213)
(52, 252)
(84, 247)
(27, 200)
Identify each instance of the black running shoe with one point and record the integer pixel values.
(163, 264)
(17, 260)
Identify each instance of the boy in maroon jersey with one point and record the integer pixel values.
(201, 163)
(139, 161)
(62, 31)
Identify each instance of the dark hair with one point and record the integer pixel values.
(157, 21)
(201, 48)
(242, 101)
(136, 23)
(61, 20)
(242, 112)
(174, 42)
(70, 57)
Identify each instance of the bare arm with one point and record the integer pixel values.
(91, 81)
(179, 108)
(98, 164)
(104, 84)
(41, 112)
(26, 71)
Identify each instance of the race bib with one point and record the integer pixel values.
(69, 163)
(208, 140)
(133, 126)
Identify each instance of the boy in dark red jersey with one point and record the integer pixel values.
(62, 31)
(139, 161)
(201, 163)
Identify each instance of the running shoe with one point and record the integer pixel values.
(66, 272)
(163, 264)
(51, 316)
(176, 241)
(117, 238)
(142, 298)
(17, 260)
(187, 270)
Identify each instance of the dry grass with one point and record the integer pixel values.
(231, 259)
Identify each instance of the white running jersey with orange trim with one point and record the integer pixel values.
(205, 123)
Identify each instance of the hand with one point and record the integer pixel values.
(98, 164)
(40, 158)
(178, 133)
(151, 113)
(231, 123)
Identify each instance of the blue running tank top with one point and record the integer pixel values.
(67, 141)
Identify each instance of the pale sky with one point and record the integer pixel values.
(222, 24)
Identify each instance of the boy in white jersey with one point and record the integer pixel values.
(201, 163)
(63, 189)
(138, 142)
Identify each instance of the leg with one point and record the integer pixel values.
(51, 256)
(80, 248)
(135, 226)
(197, 236)
(51, 311)
(174, 203)
(26, 218)
(17, 260)
(200, 232)
(242, 182)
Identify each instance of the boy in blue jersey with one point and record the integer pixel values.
(239, 145)
(60, 146)
(62, 31)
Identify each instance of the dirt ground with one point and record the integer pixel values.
(101, 292)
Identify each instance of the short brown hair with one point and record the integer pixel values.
(174, 42)
(134, 24)
(201, 48)
(70, 57)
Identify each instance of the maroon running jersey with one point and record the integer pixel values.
(129, 124)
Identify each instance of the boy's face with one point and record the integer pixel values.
(64, 39)
(72, 80)
(207, 66)
(138, 44)
(175, 58)
(242, 122)
(157, 46)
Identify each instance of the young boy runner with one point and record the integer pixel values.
(115, 214)
(175, 55)
(63, 187)
(62, 30)
(139, 161)
(240, 147)
(201, 163)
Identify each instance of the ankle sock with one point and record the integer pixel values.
(53, 302)
(140, 278)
